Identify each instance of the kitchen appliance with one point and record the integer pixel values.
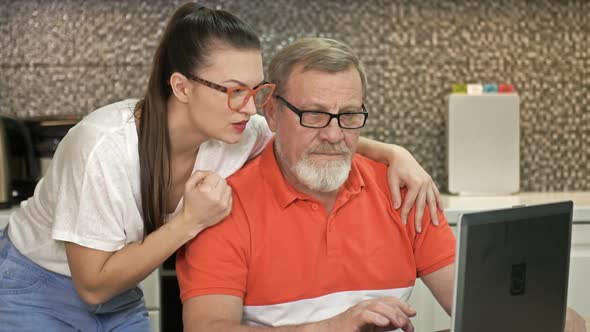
(26, 150)
(46, 134)
(483, 144)
(19, 169)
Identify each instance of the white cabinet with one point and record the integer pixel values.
(151, 292)
(4, 216)
(578, 296)
(155, 320)
(430, 316)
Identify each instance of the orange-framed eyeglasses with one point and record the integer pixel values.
(238, 96)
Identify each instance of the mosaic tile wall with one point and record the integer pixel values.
(71, 56)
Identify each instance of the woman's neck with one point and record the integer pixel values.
(185, 139)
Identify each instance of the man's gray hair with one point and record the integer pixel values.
(323, 54)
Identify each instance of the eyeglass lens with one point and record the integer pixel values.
(240, 96)
(317, 119)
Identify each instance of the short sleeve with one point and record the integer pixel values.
(263, 135)
(216, 261)
(434, 247)
(93, 190)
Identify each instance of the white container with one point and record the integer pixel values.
(474, 89)
(483, 144)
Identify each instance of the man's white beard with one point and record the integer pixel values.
(320, 175)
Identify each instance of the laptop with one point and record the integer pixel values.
(512, 269)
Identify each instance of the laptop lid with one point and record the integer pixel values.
(512, 269)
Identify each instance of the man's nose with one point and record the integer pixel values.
(332, 133)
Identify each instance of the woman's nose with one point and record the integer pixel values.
(250, 107)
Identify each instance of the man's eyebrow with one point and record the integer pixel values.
(354, 108)
(319, 107)
(314, 106)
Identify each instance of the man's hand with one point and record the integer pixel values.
(404, 171)
(574, 322)
(381, 314)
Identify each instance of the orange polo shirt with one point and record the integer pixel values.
(291, 262)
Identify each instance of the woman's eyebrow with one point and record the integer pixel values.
(244, 84)
(235, 81)
(259, 84)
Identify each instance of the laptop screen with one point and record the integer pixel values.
(512, 269)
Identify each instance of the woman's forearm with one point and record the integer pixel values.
(99, 276)
(377, 151)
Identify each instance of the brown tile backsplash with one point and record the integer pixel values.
(72, 56)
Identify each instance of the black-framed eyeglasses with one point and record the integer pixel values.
(238, 96)
(319, 119)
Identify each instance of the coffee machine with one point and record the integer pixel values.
(19, 168)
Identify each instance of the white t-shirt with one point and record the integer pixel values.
(91, 195)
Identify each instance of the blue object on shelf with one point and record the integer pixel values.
(490, 88)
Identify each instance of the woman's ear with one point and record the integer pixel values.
(270, 113)
(180, 87)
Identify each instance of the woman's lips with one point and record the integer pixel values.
(240, 126)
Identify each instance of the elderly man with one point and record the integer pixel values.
(313, 241)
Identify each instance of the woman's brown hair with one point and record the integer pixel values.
(184, 48)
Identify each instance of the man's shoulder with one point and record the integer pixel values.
(248, 175)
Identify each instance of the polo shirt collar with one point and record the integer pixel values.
(285, 194)
(355, 183)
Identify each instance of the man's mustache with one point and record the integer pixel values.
(329, 148)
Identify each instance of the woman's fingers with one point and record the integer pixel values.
(409, 202)
(420, 203)
(430, 197)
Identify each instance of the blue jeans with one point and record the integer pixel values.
(34, 299)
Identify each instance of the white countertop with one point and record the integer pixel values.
(4, 214)
(454, 206)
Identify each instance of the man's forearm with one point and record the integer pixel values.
(205, 314)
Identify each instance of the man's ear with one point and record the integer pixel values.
(180, 87)
(271, 113)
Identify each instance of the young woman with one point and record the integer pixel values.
(135, 180)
